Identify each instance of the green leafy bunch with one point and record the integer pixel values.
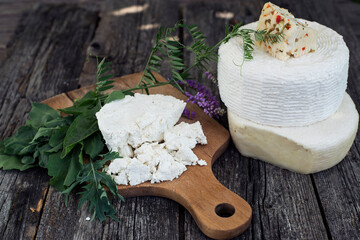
(60, 145)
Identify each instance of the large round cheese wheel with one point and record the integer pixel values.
(296, 92)
(305, 149)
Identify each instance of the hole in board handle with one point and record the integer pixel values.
(224, 210)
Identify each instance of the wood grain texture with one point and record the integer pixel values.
(44, 58)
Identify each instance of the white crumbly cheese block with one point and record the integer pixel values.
(298, 38)
(184, 135)
(296, 92)
(306, 149)
(128, 123)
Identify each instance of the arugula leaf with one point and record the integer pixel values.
(43, 133)
(114, 96)
(93, 145)
(75, 166)
(56, 140)
(44, 155)
(8, 162)
(27, 160)
(40, 114)
(21, 139)
(82, 127)
(64, 170)
(29, 149)
(94, 191)
(86, 103)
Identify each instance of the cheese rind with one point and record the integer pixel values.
(306, 149)
(298, 38)
(296, 92)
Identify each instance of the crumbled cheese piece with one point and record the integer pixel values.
(121, 178)
(87, 218)
(202, 162)
(298, 40)
(128, 123)
(184, 135)
(118, 164)
(186, 156)
(149, 154)
(138, 172)
(117, 168)
(168, 169)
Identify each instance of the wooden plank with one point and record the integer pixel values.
(8, 23)
(13, 8)
(2, 54)
(5, 38)
(284, 203)
(128, 46)
(54, 39)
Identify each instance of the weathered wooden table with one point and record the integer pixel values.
(46, 56)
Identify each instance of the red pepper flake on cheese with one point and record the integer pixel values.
(278, 19)
(306, 35)
(303, 48)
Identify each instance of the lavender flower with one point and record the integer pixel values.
(204, 99)
(210, 76)
(188, 113)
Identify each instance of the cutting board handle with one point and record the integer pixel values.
(219, 212)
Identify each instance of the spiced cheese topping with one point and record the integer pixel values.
(298, 38)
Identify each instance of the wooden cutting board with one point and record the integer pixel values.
(218, 212)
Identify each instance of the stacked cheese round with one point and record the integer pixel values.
(294, 114)
(296, 92)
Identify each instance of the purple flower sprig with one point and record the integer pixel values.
(188, 113)
(210, 76)
(204, 99)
